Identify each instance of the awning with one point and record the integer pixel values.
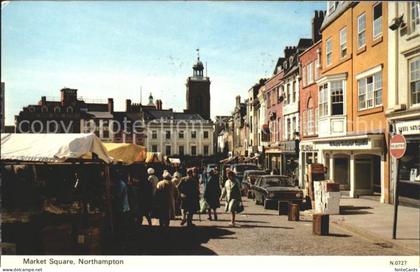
(126, 152)
(153, 157)
(174, 160)
(51, 147)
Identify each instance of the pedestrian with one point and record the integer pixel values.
(232, 194)
(121, 208)
(165, 199)
(275, 171)
(152, 179)
(145, 201)
(176, 180)
(132, 193)
(189, 193)
(212, 194)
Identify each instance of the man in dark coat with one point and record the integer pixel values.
(145, 200)
(190, 194)
(212, 193)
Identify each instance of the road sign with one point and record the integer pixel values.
(397, 146)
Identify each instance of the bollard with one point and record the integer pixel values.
(283, 207)
(320, 224)
(294, 212)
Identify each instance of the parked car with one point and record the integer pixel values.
(249, 180)
(270, 189)
(240, 168)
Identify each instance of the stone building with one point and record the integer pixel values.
(403, 107)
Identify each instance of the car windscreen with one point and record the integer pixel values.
(273, 182)
(242, 168)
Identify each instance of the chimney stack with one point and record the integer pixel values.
(288, 51)
(110, 105)
(238, 100)
(316, 25)
(128, 105)
(158, 104)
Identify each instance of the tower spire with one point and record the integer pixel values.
(198, 53)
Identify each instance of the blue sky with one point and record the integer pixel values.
(112, 49)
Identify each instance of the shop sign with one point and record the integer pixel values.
(288, 146)
(307, 147)
(408, 127)
(349, 143)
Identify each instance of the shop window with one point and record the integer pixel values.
(415, 80)
(377, 20)
(343, 42)
(328, 51)
(370, 91)
(414, 15)
(168, 150)
(410, 164)
(193, 150)
(181, 150)
(361, 30)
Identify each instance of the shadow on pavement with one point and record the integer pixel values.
(339, 235)
(350, 210)
(263, 227)
(154, 240)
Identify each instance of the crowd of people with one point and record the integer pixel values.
(173, 196)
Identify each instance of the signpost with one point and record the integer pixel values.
(397, 148)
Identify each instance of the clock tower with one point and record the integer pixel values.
(198, 91)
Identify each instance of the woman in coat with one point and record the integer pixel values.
(165, 199)
(212, 194)
(232, 193)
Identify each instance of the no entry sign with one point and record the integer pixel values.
(397, 146)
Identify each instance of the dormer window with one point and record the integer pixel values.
(31, 109)
(331, 6)
(57, 109)
(44, 109)
(70, 109)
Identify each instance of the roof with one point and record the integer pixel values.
(101, 114)
(342, 6)
(153, 114)
(51, 147)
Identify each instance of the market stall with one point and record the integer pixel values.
(56, 190)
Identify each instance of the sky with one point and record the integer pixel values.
(117, 48)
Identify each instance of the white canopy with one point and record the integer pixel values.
(51, 147)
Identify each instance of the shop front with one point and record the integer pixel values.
(410, 162)
(284, 157)
(357, 163)
(308, 155)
